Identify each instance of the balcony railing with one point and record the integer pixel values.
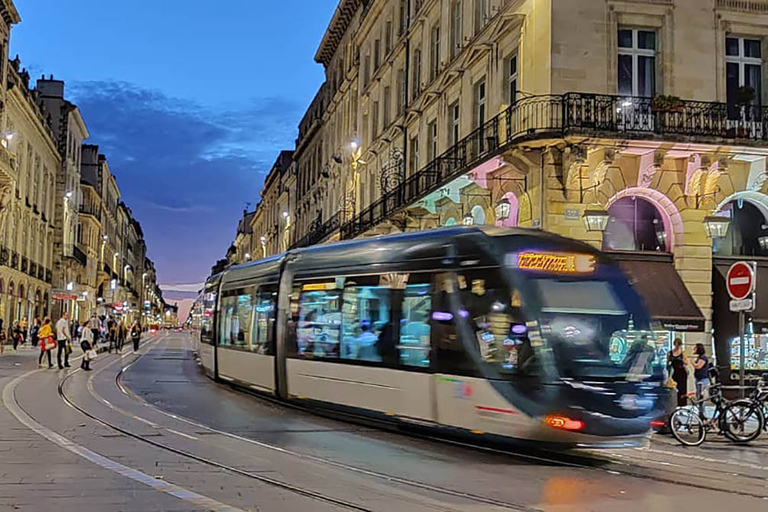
(5, 256)
(48, 276)
(41, 273)
(319, 231)
(90, 210)
(558, 116)
(24, 264)
(751, 6)
(79, 256)
(14, 260)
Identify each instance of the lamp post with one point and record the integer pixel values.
(503, 209)
(596, 219)
(716, 226)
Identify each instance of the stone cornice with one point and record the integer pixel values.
(9, 13)
(342, 17)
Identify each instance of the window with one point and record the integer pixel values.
(415, 329)
(456, 33)
(416, 84)
(479, 101)
(376, 54)
(388, 37)
(435, 53)
(319, 323)
(403, 17)
(262, 341)
(402, 97)
(387, 106)
(366, 70)
(637, 62)
(414, 156)
(365, 317)
(236, 320)
(512, 79)
(743, 69)
(481, 14)
(432, 143)
(454, 127)
(375, 119)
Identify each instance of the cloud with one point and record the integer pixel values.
(185, 169)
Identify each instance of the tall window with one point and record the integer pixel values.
(454, 125)
(479, 103)
(455, 27)
(388, 37)
(401, 92)
(512, 79)
(403, 17)
(637, 62)
(743, 68)
(375, 120)
(366, 69)
(414, 155)
(387, 106)
(434, 53)
(376, 54)
(481, 14)
(416, 84)
(432, 142)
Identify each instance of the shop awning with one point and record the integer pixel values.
(665, 295)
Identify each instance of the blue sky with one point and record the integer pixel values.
(190, 100)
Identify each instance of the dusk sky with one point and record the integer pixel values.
(190, 100)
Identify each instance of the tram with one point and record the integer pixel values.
(476, 330)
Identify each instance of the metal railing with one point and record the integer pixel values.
(14, 260)
(24, 264)
(752, 6)
(48, 276)
(90, 210)
(558, 116)
(32, 269)
(41, 273)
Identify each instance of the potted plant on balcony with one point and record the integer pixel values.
(739, 112)
(743, 96)
(667, 104)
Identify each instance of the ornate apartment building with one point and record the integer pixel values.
(644, 133)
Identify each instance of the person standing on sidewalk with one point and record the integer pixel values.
(34, 332)
(701, 374)
(47, 343)
(136, 335)
(2, 337)
(16, 335)
(677, 363)
(24, 326)
(87, 345)
(63, 338)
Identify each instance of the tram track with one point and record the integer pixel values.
(267, 480)
(592, 462)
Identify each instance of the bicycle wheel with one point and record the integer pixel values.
(742, 421)
(687, 427)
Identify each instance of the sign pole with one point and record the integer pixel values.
(742, 352)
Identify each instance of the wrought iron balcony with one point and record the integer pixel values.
(560, 116)
(319, 231)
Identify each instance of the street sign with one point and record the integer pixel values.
(740, 280)
(742, 305)
(64, 296)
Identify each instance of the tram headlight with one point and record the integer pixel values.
(563, 422)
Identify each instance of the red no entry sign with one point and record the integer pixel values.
(740, 280)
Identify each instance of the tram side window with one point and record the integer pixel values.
(264, 320)
(365, 319)
(236, 321)
(318, 329)
(415, 330)
(494, 313)
(207, 335)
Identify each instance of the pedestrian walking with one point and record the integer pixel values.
(47, 343)
(136, 335)
(3, 338)
(701, 374)
(34, 332)
(121, 334)
(63, 339)
(87, 345)
(24, 326)
(16, 335)
(111, 334)
(677, 362)
(95, 329)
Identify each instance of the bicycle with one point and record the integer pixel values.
(740, 421)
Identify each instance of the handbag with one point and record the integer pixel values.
(67, 347)
(90, 355)
(50, 343)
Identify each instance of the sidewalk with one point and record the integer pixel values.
(25, 357)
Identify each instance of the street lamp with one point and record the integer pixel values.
(596, 219)
(468, 220)
(763, 242)
(716, 226)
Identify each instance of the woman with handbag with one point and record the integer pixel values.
(47, 343)
(86, 344)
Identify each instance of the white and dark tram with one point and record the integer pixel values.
(504, 332)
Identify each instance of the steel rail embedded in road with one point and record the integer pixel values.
(269, 481)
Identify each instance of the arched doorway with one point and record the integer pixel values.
(748, 232)
(635, 224)
(450, 222)
(478, 215)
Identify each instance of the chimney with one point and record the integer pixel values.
(50, 88)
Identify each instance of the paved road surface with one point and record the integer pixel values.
(123, 449)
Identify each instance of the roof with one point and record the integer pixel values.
(340, 21)
(8, 12)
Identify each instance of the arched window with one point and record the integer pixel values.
(635, 225)
(478, 215)
(748, 232)
(450, 222)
